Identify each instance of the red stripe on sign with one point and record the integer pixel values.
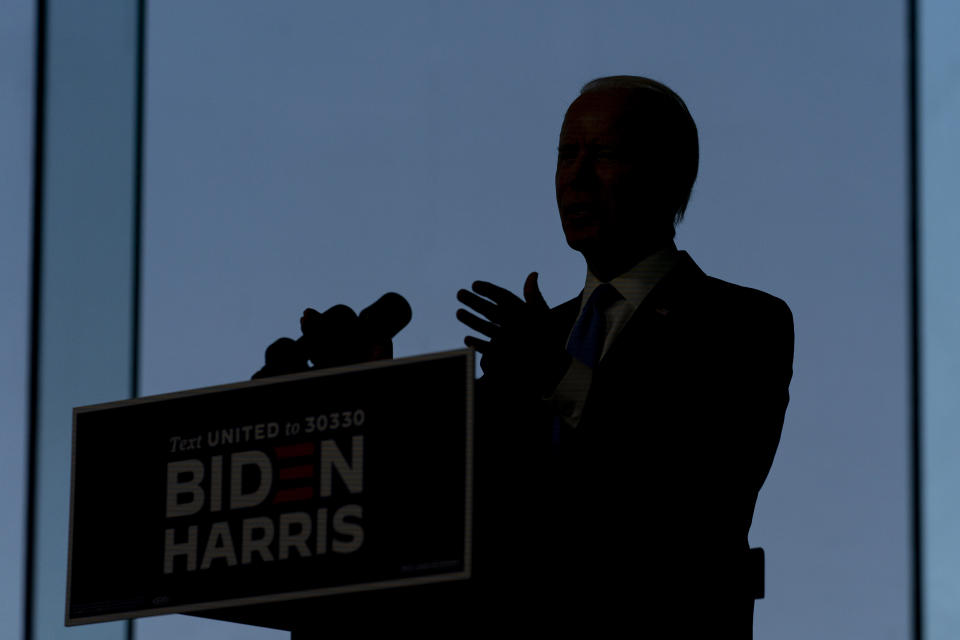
(292, 495)
(303, 471)
(295, 450)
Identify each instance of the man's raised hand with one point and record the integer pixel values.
(519, 352)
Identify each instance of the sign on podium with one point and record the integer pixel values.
(276, 490)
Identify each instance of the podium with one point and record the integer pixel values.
(340, 498)
(344, 501)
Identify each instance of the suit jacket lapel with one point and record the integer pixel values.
(661, 307)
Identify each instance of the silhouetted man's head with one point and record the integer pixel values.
(627, 161)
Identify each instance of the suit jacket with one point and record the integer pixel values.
(645, 506)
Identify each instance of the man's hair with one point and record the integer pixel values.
(670, 134)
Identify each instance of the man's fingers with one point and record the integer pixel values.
(310, 319)
(531, 292)
(481, 306)
(497, 294)
(476, 343)
(477, 324)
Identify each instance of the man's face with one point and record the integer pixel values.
(602, 185)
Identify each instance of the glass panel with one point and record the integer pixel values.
(17, 53)
(940, 313)
(87, 273)
(326, 153)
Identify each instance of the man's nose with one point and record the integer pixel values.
(583, 169)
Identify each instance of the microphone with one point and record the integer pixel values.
(387, 316)
(339, 336)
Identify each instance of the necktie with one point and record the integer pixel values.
(586, 340)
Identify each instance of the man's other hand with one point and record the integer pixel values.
(282, 357)
(334, 338)
(519, 352)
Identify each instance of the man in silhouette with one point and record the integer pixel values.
(642, 415)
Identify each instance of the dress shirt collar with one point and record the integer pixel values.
(635, 283)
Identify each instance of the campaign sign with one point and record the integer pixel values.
(332, 481)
